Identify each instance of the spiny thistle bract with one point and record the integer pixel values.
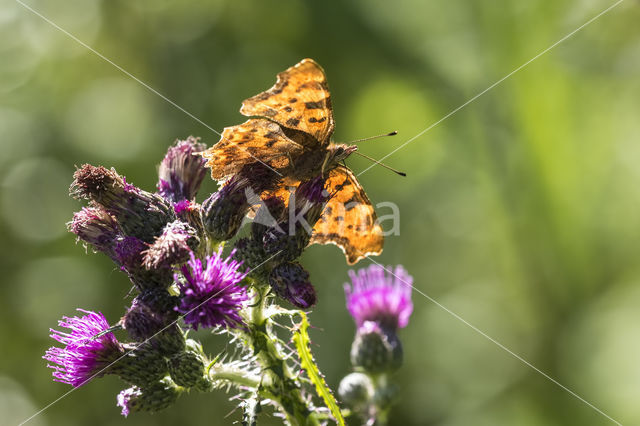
(171, 249)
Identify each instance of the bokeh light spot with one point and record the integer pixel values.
(35, 201)
(46, 289)
(111, 119)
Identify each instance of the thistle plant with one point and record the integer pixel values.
(189, 270)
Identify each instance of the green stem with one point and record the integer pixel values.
(277, 377)
(234, 376)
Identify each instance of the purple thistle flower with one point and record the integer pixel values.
(379, 296)
(211, 296)
(84, 354)
(152, 398)
(181, 206)
(125, 398)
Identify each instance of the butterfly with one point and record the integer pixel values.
(291, 133)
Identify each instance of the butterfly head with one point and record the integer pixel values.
(340, 151)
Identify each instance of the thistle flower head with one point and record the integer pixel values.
(378, 296)
(94, 183)
(376, 348)
(152, 398)
(88, 349)
(139, 213)
(210, 295)
(127, 251)
(96, 227)
(293, 232)
(291, 282)
(224, 211)
(271, 208)
(127, 399)
(181, 172)
(140, 321)
(172, 247)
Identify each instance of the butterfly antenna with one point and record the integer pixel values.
(380, 164)
(395, 132)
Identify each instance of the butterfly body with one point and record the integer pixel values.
(318, 162)
(291, 133)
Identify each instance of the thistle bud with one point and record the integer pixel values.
(356, 390)
(158, 299)
(141, 322)
(152, 398)
(376, 350)
(311, 197)
(127, 252)
(178, 239)
(139, 213)
(271, 208)
(142, 364)
(293, 233)
(186, 368)
(224, 211)
(252, 255)
(96, 227)
(181, 172)
(170, 341)
(385, 395)
(191, 213)
(291, 282)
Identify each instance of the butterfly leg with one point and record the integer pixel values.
(325, 162)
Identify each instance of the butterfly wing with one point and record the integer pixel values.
(349, 220)
(299, 100)
(256, 140)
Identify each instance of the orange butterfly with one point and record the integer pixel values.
(293, 138)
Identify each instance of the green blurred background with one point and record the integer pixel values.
(519, 212)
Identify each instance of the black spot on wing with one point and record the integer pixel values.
(317, 120)
(279, 89)
(314, 105)
(339, 186)
(293, 122)
(351, 203)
